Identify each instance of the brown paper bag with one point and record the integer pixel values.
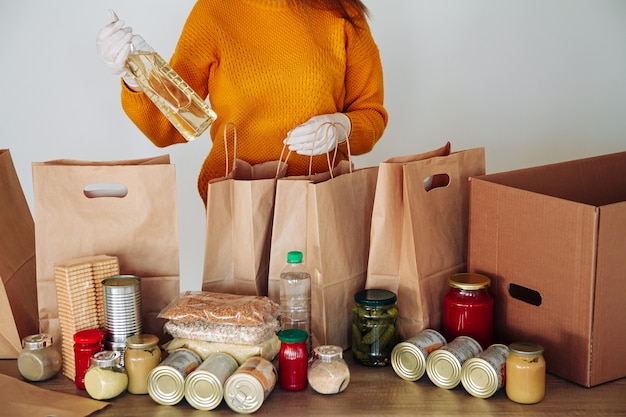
(433, 235)
(383, 269)
(119, 208)
(338, 230)
(239, 213)
(18, 287)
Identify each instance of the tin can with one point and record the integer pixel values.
(485, 374)
(443, 366)
(248, 387)
(204, 387)
(408, 358)
(166, 382)
(122, 308)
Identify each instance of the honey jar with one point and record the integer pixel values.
(525, 373)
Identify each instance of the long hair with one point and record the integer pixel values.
(348, 9)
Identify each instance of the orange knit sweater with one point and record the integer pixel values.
(267, 67)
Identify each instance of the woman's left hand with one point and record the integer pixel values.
(319, 135)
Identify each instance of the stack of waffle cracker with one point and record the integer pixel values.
(80, 299)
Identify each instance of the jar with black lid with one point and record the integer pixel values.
(374, 331)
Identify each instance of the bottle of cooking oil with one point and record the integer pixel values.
(182, 106)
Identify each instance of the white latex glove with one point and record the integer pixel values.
(319, 135)
(113, 45)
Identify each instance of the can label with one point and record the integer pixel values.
(483, 375)
(262, 370)
(427, 341)
(445, 364)
(463, 348)
(248, 387)
(184, 361)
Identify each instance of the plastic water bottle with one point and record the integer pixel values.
(295, 296)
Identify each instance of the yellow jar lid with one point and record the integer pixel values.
(469, 281)
(141, 341)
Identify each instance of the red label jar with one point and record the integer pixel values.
(468, 308)
(293, 360)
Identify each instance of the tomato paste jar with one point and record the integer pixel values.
(293, 359)
(468, 308)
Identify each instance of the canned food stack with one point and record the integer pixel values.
(78, 283)
(209, 322)
(123, 311)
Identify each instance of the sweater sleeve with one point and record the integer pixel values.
(364, 89)
(190, 60)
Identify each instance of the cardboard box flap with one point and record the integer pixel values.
(595, 181)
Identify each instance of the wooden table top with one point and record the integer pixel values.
(377, 392)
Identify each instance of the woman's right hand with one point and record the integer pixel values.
(113, 45)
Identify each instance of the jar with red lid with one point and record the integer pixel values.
(86, 343)
(293, 359)
(468, 308)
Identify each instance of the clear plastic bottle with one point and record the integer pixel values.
(182, 106)
(295, 296)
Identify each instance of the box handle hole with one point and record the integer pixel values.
(525, 294)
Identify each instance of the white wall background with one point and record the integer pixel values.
(532, 81)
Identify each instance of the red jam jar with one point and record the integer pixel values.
(86, 343)
(468, 308)
(293, 360)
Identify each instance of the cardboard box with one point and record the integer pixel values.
(553, 240)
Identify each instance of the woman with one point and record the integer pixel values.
(278, 70)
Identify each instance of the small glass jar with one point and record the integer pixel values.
(525, 373)
(328, 372)
(468, 308)
(374, 332)
(86, 343)
(140, 357)
(39, 360)
(106, 378)
(293, 359)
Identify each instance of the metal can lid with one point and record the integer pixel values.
(327, 353)
(469, 281)
(408, 361)
(243, 393)
(375, 297)
(166, 385)
(443, 369)
(203, 390)
(36, 341)
(526, 348)
(142, 341)
(479, 378)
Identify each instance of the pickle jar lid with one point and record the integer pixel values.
(375, 297)
(106, 358)
(469, 281)
(294, 257)
(36, 341)
(526, 348)
(292, 335)
(142, 341)
(89, 336)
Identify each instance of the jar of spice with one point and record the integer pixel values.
(329, 372)
(525, 373)
(106, 378)
(86, 343)
(468, 308)
(39, 360)
(140, 357)
(293, 359)
(374, 332)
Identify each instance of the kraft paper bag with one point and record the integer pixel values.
(433, 246)
(18, 287)
(338, 230)
(239, 214)
(383, 270)
(125, 209)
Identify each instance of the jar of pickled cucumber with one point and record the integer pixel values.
(374, 332)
